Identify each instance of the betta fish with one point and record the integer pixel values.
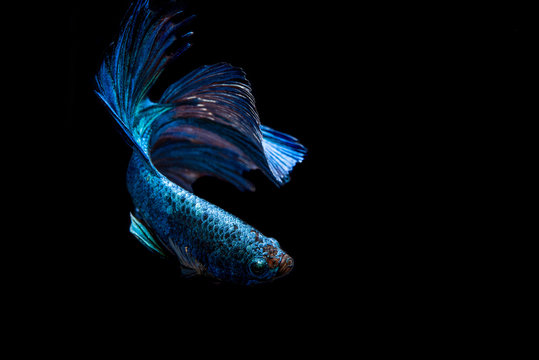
(205, 124)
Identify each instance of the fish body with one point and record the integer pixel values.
(205, 124)
(206, 239)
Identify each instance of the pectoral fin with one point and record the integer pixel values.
(146, 237)
(190, 265)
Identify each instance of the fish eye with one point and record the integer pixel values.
(258, 266)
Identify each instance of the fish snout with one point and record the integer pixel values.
(285, 265)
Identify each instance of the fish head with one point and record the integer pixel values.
(251, 259)
(266, 261)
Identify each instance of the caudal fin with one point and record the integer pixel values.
(282, 151)
(205, 124)
(133, 64)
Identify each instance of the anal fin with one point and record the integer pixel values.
(143, 233)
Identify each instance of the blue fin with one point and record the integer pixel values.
(204, 124)
(133, 65)
(145, 236)
(282, 151)
(214, 129)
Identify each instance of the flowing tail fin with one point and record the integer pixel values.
(133, 65)
(204, 124)
(214, 129)
(282, 151)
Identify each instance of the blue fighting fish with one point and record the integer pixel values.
(205, 124)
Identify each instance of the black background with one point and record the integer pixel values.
(399, 108)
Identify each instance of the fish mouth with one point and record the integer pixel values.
(285, 265)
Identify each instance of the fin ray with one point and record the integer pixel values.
(190, 265)
(133, 65)
(140, 230)
(214, 129)
(282, 151)
(203, 124)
